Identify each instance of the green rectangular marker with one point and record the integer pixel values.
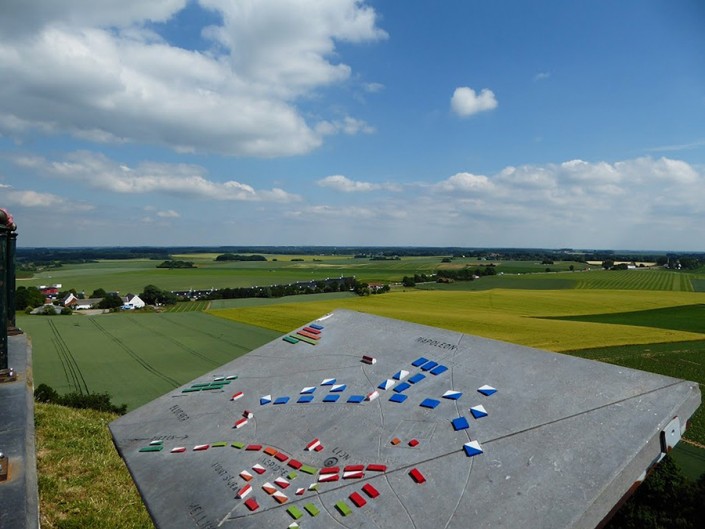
(239, 445)
(311, 509)
(190, 390)
(343, 508)
(295, 512)
(292, 475)
(307, 340)
(219, 444)
(153, 448)
(290, 339)
(308, 469)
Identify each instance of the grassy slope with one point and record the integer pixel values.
(83, 483)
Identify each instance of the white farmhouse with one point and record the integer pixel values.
(132, 301)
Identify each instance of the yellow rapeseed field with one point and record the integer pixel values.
(509, 315)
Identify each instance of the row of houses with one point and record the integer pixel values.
(130, 301)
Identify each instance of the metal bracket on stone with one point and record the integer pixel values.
(8, 375)
(670, 435)
(4, 467)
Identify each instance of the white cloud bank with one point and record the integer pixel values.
(99, 172)
(642, 203)
(466, 102)
(99, 72)
(25, 198)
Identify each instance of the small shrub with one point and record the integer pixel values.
(93, 401)
(44, 393)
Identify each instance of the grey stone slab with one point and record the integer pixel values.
(19, 502)
(563, 440)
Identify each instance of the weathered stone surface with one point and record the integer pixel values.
(562, 441)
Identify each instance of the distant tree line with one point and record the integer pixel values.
(176, 264)
(343, 284)
(463, 274)
(240, 257)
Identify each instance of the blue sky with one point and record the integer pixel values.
(341, 122)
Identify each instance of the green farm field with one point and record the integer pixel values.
(134, 357)
(133, 275)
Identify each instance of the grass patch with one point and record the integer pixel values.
(698, 285)
(523, 282)
(690, 318)
(690, 459)
(189, 306)
(83, 483)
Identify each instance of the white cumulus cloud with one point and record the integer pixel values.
(345, 184)
(98, 171)
(99, 73)
(466, 102)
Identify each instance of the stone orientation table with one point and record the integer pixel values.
(359, 421)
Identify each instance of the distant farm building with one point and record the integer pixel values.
(132, 301)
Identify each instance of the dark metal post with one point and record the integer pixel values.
(11, 284)
(4, 232)
(7, 282)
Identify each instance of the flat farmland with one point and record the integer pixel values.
(639, 279)
(134, 357)
(133, 275)
(517, 316)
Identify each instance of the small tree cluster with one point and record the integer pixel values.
(93, 401)
(153, 295)
(28, 297)
(665, 500)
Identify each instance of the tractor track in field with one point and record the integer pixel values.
(212, 335)
(165, 336)
(73, 373)
(137, 358)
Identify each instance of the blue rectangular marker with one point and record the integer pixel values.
(429, 365)
(438, 370)
(418, 377)
(430, 403)
(461, 423)
(419, 362)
